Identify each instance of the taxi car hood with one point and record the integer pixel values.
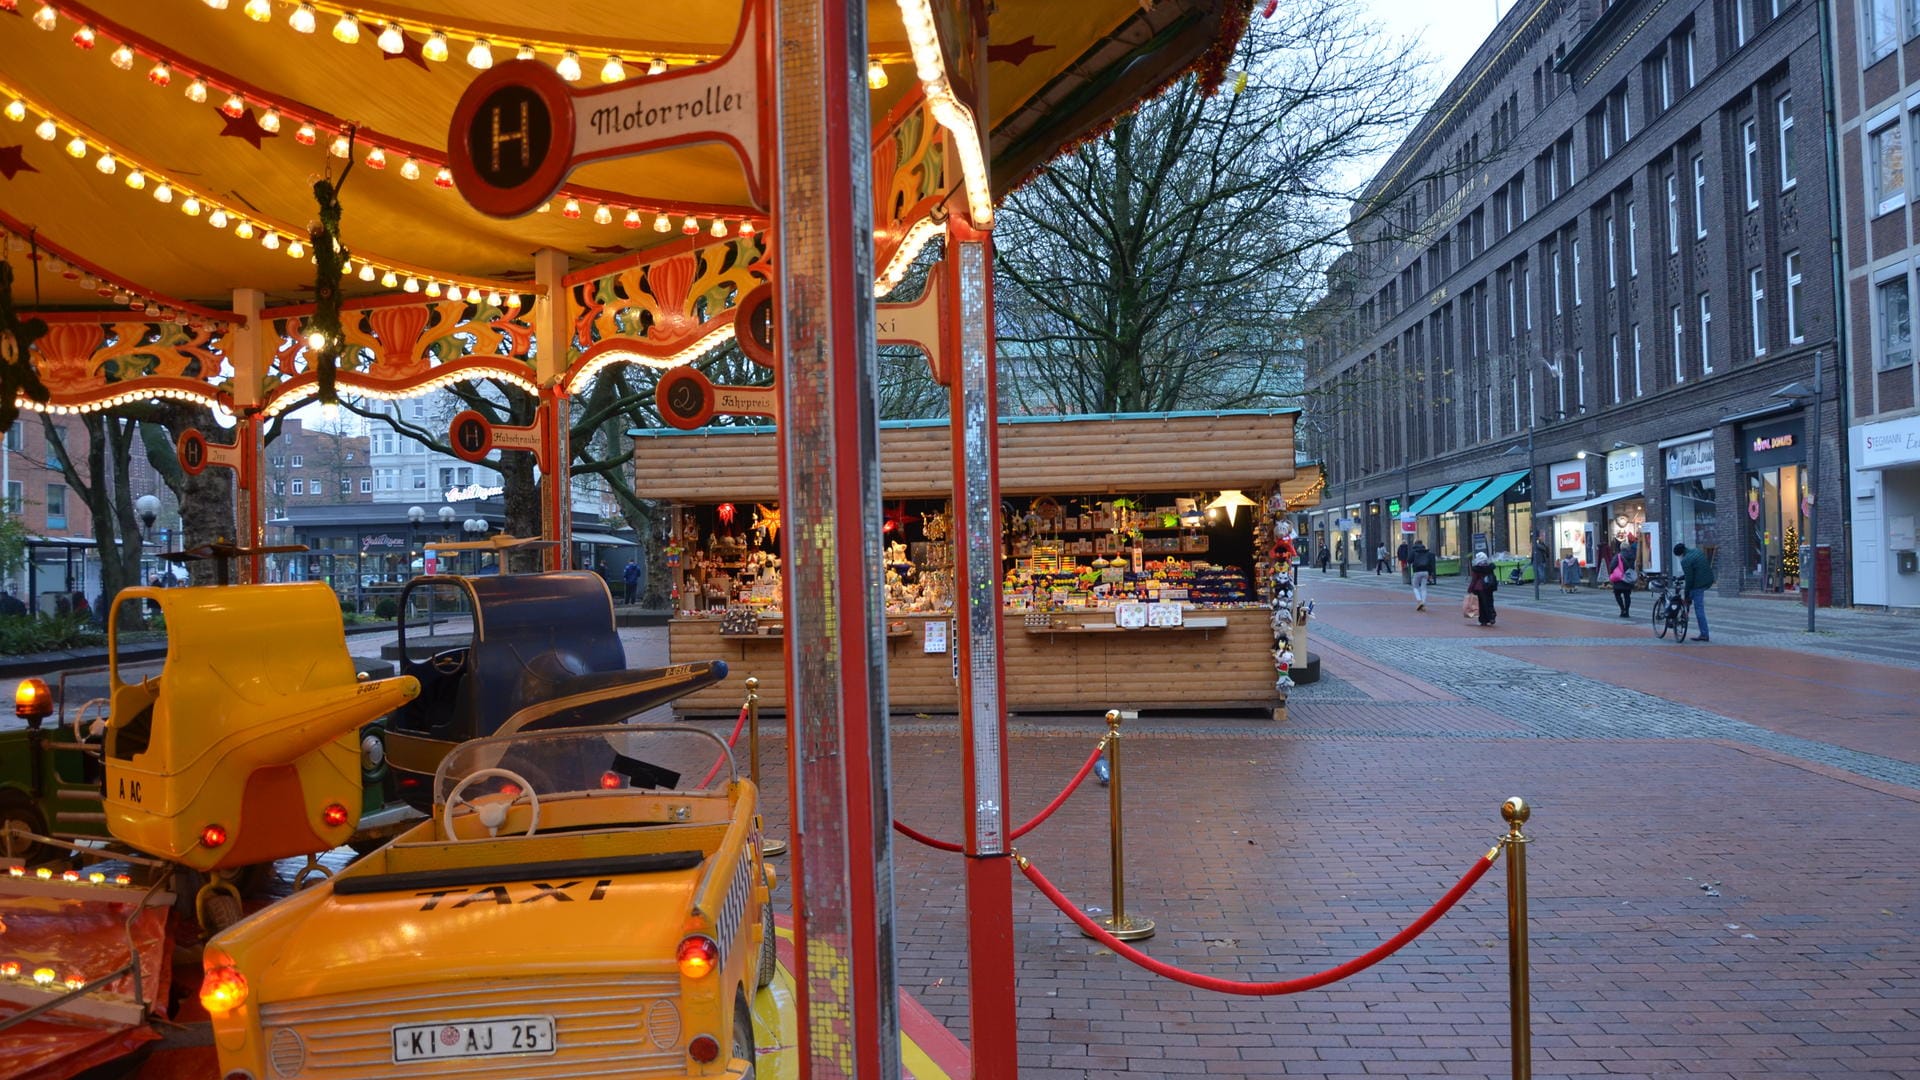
(374, 930)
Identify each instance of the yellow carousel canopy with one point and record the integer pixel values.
(168, 148)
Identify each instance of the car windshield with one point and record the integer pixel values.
(589, 760)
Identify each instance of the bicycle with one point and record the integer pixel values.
(1669, 606)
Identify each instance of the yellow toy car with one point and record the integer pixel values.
(583, 902)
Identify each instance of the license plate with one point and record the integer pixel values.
(473, 1038)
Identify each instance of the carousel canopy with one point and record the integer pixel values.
(170, 148)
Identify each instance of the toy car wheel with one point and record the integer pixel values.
(768, 955)
(18, 811)
(223, 910)
(743, 1036)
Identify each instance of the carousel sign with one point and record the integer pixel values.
(520, 128)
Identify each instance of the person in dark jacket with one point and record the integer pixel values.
(1696, 573)
(1482, 584)
(1423, 563)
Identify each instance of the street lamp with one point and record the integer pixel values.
(415, 515)
(1809, 399)
(147, 508)
(475, 528)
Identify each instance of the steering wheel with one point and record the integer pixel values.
(80, 718)
(449, 661)
(494, 814)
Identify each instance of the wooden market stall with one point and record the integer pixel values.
(1108, 521)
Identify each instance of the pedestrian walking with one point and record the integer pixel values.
(1482, 586)
(1380, 560)
(1325, 558)
(1406, 572)
(1542, 558)
(631, 575)
(1422, 562)
(1569, 573)
(1696, 573)
(1622, 575)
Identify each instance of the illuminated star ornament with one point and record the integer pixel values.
(18, 376)
(767, 520)
(13, 159)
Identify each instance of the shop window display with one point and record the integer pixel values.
(1773, 526)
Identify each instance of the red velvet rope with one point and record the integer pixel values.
(1058, 801)
(1290, 986)
(731, 739)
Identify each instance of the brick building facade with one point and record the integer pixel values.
(1576, 290)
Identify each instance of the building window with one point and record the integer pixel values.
(1580, 378)
(1887, 164)
(299, 487)
(16, 438)
(366, 485)
(56, 506)
(1626, 116)
(1526, 295)
(1637, 384)
(16, 497)
(346, 486)
(1739, 22)
(1613, 348)
(1633, 243)
(446, 479)
(1554, 257)
(296, 461)
(1881, 26)
(1513, 307)
(1666, 81)
(1576, 271)
(1795, 332)
(1757, 288)
(464, 475)
(419, 477)
(1560, 384)
(1673, 214)
(1679, 347)
(1752, 160)
(1783, 110)
(1893, 308)
(1611, 281)
(278, 461)
(1699, 197)
(1687, 49)
(1706, 334)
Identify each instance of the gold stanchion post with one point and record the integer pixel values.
(1515, 812)
(1119, 924)
(774, 847)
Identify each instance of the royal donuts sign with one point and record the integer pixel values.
(520, 128)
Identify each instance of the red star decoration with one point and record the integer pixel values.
(609, 249)
(245, 127)
(1015, 52)
(409, 50)
(13, 160)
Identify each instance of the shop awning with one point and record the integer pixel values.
(1588, 504)
(600, 539)
(1495, 488)
(1458, 495)
(1420, 505)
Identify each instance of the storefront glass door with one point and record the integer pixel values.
(1773, 530)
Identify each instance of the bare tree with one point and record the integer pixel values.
(1162, 265)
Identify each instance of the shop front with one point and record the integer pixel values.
(1886, 512)
(1691, 516)
(1624, 515)
(1488, 515)
(1136, 557)
(1571, 533)
(1773, 465)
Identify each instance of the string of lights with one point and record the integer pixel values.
(17, 239)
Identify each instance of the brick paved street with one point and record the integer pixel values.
(1724, 878)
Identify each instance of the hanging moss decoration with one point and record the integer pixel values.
(17, 374)
(326, 338)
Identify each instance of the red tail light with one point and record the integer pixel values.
(511, 791)
(223, 990)
(334, 815)
(213, 835)
(698, 956)
(609, 780)
(703, 1049)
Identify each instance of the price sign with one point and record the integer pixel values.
(472, 437)
(687, 399)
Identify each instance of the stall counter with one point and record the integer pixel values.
(1221, 658)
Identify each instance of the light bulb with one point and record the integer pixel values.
(412, 285)
(316, 341)
(435, 48)
(77, 147)
(234, 105)
(391, 40)
(690, 227)
(443, 177)
(376, 158)
(296, 250)
(719, 228)
(433, 289)
(657, 67)
(305, 135)
(106, 165)
(662, 223)
(389, 279)
(197, 91)
(271, 241)
(259, 10)
(347, 30)
(217, 219)
(409, 170)
(613, 70)
(160, 74)
(191, 207)
(46, 18)
(453, 292)
(16, 110)
(571, 209)
(746, 228)
(569, 65)
(123, 57)
(367, 273)
(480, 56)
(524, 52)
(338, 148)
(217, 5)
(136, 179)
(270, 121)
(244, 230)
(876, 75)
(303, 19)
(83, 38)
(494, 298)
(163, 193)
(603, 215)
(632, 220)
(543, 207)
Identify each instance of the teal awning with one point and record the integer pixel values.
(1455, 497)
(1485, 496)
(1420, 505)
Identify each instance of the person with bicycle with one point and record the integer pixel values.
(1697, 574)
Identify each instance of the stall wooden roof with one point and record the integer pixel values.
(1123, 452)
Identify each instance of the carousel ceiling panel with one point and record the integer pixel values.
(1054, 71)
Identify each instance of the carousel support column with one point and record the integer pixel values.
(830, 498)
(983, 719)
(249, 351)
(553, 331)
